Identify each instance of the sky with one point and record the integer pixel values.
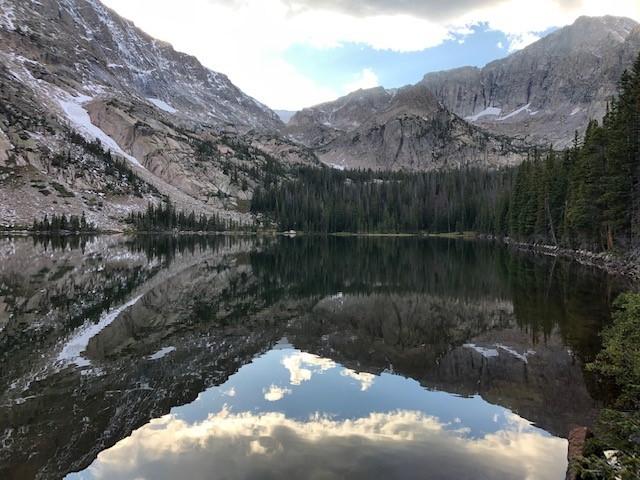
(291, 54)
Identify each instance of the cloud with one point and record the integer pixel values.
(248, 39)
(276, 393)
(365, 379)
(367, 78)
(399, 444)
(302, 366)
(451, 11)
(519, 41)
(431, 9)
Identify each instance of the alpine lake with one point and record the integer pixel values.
(161, 357)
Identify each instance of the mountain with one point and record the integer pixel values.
(323, 123)
(537, 96)
(285, 115)
(91, 49)
(406, 128)
(548, 90)
(97, 116)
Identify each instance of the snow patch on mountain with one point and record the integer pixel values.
(80, 119)
(162, 105)
(485, 352)
(493, 111)
(489, 352)
(526, 108)
(163, 352)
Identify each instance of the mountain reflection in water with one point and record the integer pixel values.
(163, 357)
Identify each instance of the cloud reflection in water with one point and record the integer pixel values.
(262, 433)
(400, 444)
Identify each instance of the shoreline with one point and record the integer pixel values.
(624, 264)
(619, 264)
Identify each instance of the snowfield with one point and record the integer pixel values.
(164, 106)
(489, 111)
(80, 119)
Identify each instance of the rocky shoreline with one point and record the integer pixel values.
(625, 264)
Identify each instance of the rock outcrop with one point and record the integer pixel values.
(547, 91)
(394, 130)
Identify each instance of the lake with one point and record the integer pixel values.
(308, 357)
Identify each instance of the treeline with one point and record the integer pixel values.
(329, 200)
(63, 224)
(587, 196)
(165, 218)
(113, 166)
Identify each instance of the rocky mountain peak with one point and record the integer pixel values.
(545, 92)
(91, 49)
(587, 34)
(405, 128)
(348, 111)
(98, 117)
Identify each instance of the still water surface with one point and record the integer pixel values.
(206, 358)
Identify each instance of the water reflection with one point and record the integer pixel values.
(325, 427)
(96, 341)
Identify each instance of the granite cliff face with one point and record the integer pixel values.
(79, 81)
(548, 90)
(487, 116)
(400, 129)
(320, 124)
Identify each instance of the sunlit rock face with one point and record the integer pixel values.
(297, 343)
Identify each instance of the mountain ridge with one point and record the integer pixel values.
(75, 73)
(539, 96)
(561, 81)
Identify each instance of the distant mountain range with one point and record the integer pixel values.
(406, 128)
(285, 115)
(540, 95)
(98, 117)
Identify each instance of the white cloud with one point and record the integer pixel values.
(246, 445)
(367, 78)
(276, 393)
(248, 39)
(302, 366)
(365, 379)
(519, 41)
